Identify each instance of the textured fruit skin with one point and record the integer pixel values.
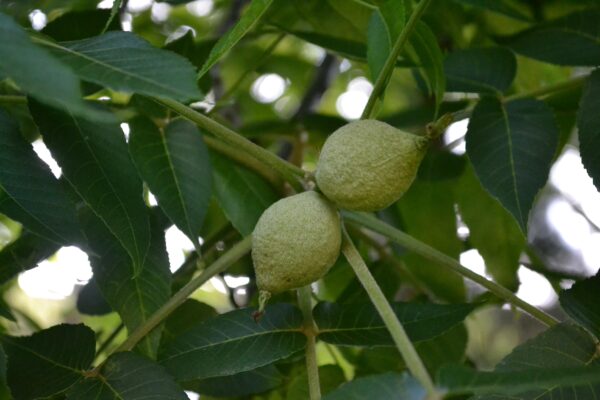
(295, 242)
(367, 165)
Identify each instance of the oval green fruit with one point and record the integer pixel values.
(295, 242)
(367, 165)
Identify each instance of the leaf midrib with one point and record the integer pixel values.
(508, 131)
(163, 140)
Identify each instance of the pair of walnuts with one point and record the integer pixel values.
(364, 166)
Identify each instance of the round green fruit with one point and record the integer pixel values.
(295, 242)
(367, 165)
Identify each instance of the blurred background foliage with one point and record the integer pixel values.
(287, 85)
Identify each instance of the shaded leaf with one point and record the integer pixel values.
(29, 193)
(49, 361)
(234, 342)
(360, 324)
(427, 204)
(30, 66)
(492, 230)
(175, 164)
(379, 387)
(23, 254)
(562, 347)
(90, 300)
(251, 16)
(5, 312)
(570, 40)
(80, 24)
(448, 348)
(330, 377)
(185, 317)
(485, 70)
(588, 122)
(379, 44)
(425, 49)
(500, 6)
(95, 161)
(511, 147)
(242, 384)
(458, 379)
(242, 194)
(127, 376)
(385, 26)
(581, 303)
(123, 61)
(134, 296)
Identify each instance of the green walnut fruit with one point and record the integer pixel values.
(367, 165)
(295, 242)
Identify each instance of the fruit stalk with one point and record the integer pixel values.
(312, 367)
(403, 343)
(432, 254)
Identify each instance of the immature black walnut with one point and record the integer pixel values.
(367, 165)
(295, 242)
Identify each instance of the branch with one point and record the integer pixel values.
(388, 67)
(432, 254)
(228, 258)
(403, 343)
(291, 173)
(318, 86)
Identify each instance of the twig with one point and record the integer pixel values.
(109, 339)
(289, 172)
(395, 328)
(432, 254)
(228, 258)
(312, 367)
